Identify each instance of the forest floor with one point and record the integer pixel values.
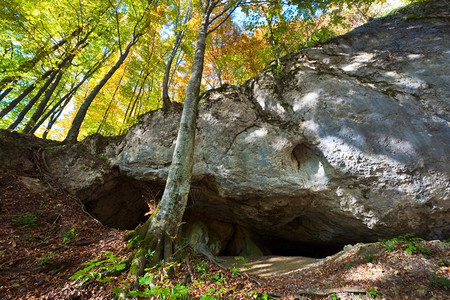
(45, 237)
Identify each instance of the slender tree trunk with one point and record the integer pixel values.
(61, 65)
(130, 102)
(54, 115)
(138, 96)
(165, 99)
(25, 93)
(69, 57)
(177, 64)
(272, 41)
(105, 115)
(4, 93)
(32, 101)
(28, 65)
(43, 104)
(79, 117)
(59, 106)
(16, 101)
(138, 109)
(162, 227)
(62, 103)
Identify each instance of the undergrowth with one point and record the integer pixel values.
(99, 270)
(408, 242)
(165, 280)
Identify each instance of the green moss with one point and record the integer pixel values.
(415, 17)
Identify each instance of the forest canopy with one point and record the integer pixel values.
(118, 59)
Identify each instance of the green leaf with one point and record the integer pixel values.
(146, 279)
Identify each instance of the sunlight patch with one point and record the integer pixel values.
(365, 272)
(256, 134)
(309, 100)
(414, 56)
(358, 60)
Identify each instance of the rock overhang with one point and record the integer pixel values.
(348, 142)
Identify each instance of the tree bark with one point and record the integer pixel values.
(43, 104)
(130, 102)
(28, 65)
(105, 115)
(165, 99)
(66, 99)
(4, 93)
(272, 40)
(53, 114)
(162, 227)
(79, 117)
(30, 104)
(32, 101)
(25, 93)
(138, 96)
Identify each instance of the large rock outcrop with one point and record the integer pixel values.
(348, 142)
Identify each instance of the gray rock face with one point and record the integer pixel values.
(348, 142)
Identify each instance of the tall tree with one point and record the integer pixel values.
(161, 228)
(40, 55)
(57, 108)
(79, 117)
(105, 115)
(138, 30)
(59, 70)
(32, 101)
(43, 104)
(22, 95)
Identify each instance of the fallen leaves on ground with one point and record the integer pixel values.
(46, 237)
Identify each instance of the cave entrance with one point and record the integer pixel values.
(276, 246)
(281, 257)
(123, 202)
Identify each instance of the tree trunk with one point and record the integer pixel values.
(129, 104)
(28, 65)
(19, 98)
(4, 93)
(69, 57)
(138, 96)
(41, 107)
(136, 100)
(105, 115)
(32, 101)
(78, 120)
(61, 65)
(162, 227)
(165, 99)
(272, 41)
(62, 103)
(54, 114)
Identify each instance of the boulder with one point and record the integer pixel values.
(346, 142)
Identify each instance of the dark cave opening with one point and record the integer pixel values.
(122, 202)
(277, 246)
